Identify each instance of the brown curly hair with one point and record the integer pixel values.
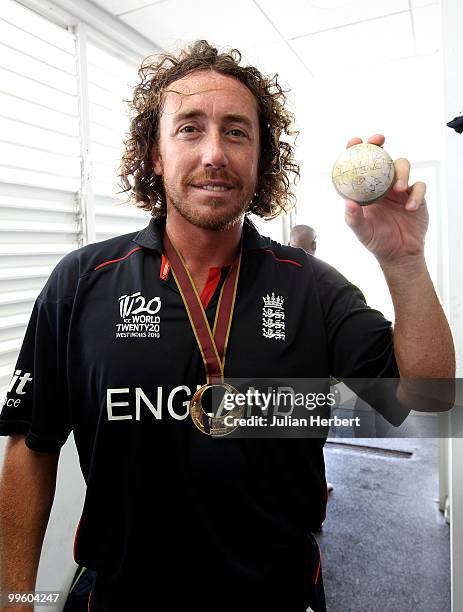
(277, 167)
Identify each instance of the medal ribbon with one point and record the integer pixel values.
(212, 344)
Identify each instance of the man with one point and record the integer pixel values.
(304, 237)
(117, 345)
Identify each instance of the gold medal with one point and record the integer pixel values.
(212, 344)
(218, 422)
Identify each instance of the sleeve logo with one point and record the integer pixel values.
(17, 388)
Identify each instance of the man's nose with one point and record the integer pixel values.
(214, 154)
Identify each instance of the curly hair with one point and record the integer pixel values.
(277, 168)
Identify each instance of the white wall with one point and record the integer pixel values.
(57, 566)
(453, 91)
(401, 99)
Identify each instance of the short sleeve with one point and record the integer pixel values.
(37, 404)
(360, 344)
(360, 341)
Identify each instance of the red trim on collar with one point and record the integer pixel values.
(211, 285)
(165, 268)
(106, 263)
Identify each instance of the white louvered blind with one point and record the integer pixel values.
(39, 165)
(39, 125)
(110, 82)
(46, 122)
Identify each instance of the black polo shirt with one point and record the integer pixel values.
(109, 353)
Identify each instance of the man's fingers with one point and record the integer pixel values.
(402, 174)
(416, 197)
(353, 141)
(377, 139)
(355, 219)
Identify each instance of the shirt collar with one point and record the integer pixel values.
(151, 236)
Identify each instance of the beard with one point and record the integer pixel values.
(216, 215)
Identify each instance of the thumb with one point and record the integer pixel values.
(355, 219)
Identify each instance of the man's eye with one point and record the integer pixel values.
(187, 129)
(237, 132)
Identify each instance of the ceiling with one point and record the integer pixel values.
(298, 37)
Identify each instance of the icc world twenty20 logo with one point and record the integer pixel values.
(140, 317)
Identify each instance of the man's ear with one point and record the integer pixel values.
(156, 159)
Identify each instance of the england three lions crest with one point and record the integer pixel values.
(273, 317)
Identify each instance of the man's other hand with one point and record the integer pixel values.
(392, 228)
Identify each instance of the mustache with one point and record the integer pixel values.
(217, 175)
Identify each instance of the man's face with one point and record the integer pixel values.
(208, 149)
